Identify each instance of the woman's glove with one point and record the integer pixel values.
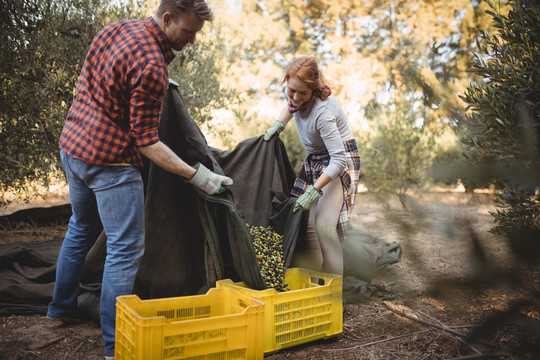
(306, 200)
(208, 181)
(276, 127)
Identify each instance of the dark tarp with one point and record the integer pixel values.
(198, 238)
(364, 257)
(192, 238)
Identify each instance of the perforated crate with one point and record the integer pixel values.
(222, 324)
(311, 310)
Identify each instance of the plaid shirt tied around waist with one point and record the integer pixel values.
(315, 164)
(117, 103)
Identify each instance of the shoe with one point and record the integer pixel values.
(109, 357)
(65, 319)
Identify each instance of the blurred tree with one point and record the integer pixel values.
(372, 52)
(447, 156)
(198, 69)
(503, 126)
(295, 149)
(387, 46)
(398, 153)
(43, 46)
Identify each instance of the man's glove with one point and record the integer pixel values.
(276, 127)
(208, 181)
(306, 200)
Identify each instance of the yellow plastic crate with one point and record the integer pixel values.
(311, 310)
(222, 324)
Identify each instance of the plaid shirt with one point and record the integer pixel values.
(315, 164)
(117, 103)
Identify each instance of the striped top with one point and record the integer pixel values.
(117, 103)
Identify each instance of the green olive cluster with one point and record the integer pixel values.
(269, 252)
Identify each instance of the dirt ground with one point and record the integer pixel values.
(460, 293)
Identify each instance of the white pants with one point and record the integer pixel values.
(322, 249)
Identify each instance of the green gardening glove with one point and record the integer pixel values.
(276, 127)
(306, 200)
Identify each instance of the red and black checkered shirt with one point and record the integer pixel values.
(117, 103)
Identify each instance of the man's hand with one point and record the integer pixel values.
(276, 127)
(208, 181)
(306, 200)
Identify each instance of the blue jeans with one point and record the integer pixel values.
(113, 195)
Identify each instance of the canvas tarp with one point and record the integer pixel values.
(192, 238)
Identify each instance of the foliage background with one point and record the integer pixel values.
(43, 46)
(400, 69)
(502, 131)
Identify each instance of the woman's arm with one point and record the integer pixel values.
(285, 115)
(279, 124)
(334, 145)
(322, 181)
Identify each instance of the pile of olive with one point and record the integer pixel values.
(269, 251)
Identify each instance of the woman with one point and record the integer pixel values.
(327, 183)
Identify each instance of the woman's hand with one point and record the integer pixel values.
(276, 128)
(307, 199)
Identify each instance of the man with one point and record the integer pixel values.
(113, 119)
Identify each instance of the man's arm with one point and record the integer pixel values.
(164, 157)
(201, 177)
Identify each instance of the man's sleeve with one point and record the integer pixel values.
(147, 91)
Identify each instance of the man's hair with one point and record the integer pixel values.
(175, 7)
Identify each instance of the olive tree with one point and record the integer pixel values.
(43, 46)
(503, 126)
(397, 153)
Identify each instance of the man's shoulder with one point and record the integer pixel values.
(120, 25)
(128, 36)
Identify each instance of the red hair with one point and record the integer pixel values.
(306, 69)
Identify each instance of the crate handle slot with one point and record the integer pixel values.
(317, 280)
(242, 303)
